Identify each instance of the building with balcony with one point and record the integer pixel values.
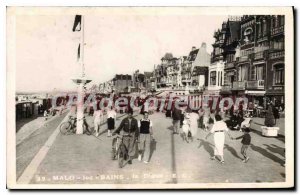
(200, 77)
(216, 68)
(161, 71)
(276, 66)
(138, 82)
(232, 32)
(149, 81)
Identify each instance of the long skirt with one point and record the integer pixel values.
(219, 139)
(194, 128)
(111, 123)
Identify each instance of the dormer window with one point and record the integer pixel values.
(247, 33)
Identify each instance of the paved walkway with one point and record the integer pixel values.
(87, 159)
(31, 144)
(25, 127)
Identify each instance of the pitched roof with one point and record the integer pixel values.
(168, 56)
(197, 70)
(193, 55)
(148, 74)
(122, 77)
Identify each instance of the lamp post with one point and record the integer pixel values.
(81, 81)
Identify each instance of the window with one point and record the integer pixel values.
(243, 72)
(260, 72)
(281, 20)
(248, 34)
(278, 44)
(279, 74)
(259, 29)
(213, 78)
(264, 27)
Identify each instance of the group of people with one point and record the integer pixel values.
(219, 129)
(133, 131)
(140, 132)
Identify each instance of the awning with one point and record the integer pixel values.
(211, 92)
(255, 93)
(224, 92)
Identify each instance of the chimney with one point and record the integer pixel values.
(193, 48)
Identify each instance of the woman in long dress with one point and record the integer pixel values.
(194, 117)
(219, 129)
(98, 119)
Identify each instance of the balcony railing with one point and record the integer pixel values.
(278, 54)
(229, 65)
(238, 85)
(243, 58)
(259, 55)
(226, 87)
(186, 80)
(277, 30)
(259, 84)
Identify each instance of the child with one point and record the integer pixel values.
(45, 115)
(246, 140)
(185, 128)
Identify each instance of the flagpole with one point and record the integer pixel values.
(81, 82)
(82, 47)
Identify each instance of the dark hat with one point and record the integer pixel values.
(130, 111)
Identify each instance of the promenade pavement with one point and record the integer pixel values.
(87, 159)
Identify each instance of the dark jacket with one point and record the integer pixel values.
(246, 139)
(133, 128)
(176, 114)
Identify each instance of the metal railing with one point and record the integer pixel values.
(277, 30)
(238, 85)
(278, 54)
(258, 84)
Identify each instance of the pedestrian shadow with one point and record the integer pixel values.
(267, 154)
(171, 128)
(152, 148)
(276, 149)
(232, 151)
(207, 146)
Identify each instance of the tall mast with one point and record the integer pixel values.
(82, 47)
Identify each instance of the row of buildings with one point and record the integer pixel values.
(247, 60)
(184, 75)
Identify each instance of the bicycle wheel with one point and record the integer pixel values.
(65, 127)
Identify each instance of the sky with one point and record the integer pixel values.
(46, 47)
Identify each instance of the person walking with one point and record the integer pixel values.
(186, 129)
(176, 115)
(111, 119)
(276, 114)
(130, 129)
(206, 117)
(194, 117)
(246, 141)
(145, 136)
(98, 119)
(219, 129)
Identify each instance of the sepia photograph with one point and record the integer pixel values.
(150, 97)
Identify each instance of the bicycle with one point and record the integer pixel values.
(119, 150)
(69, 127)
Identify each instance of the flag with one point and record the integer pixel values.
(78, 52)
(77, 23)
